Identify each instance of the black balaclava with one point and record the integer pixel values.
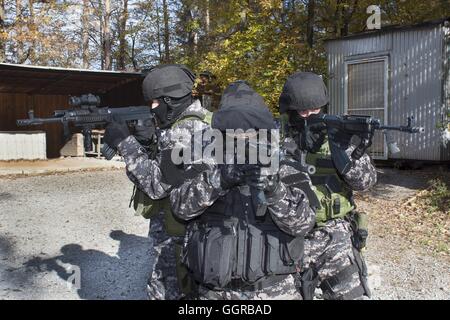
(310, 136)
(169, 109)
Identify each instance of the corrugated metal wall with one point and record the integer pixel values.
(415, 82)
(446, 91)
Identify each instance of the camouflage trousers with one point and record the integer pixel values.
(284, 290)
(163, 281)
(332, 263)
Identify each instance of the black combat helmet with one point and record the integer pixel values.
(171, 80)
(302, 91)
(171, 85)
(242, 108)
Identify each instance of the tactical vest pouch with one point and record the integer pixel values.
(283, 253)
(359, 223)
(149, 208)
(252, 265)
(144, 206)
(333, 205)
(210, 252)
(268, 251)
(174, 227)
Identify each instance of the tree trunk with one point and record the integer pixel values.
(85, 33)
(107, 35)
(337, 20)
(347, 17)
(122, 34)
(310, 23)
(133, 54)
(2, 29)
(101, 43)
(166, 32)
(207, 19)
(158, 31)
(194, 14)
(32, 27)
(19, 52)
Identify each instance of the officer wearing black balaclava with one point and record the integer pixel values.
(167, 89)
(231, 250)
(333, 260)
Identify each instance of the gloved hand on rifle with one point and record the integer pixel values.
(259, 178)
(115, 133)
(231, 176)
(340, 138)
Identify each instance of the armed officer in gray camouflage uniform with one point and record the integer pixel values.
(168, 89)
(333, 260)
(231, 251)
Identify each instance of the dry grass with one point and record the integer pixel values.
(423, 219)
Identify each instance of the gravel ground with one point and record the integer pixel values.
(399, 269)
(50, 223)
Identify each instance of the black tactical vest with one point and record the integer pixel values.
(228, 243)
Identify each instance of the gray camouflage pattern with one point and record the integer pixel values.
(284, 290)
(288, 207)
(146, 174)
(163, 281)
(328, 250)
(362, 174)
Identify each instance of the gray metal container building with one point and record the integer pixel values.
(391, 74)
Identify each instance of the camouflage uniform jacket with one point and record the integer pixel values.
(145, 172)
(329, 251)
(289, 207)
(362, 174)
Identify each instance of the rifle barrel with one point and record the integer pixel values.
(403, 129)
(36, 121)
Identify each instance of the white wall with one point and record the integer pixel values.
(29, 145)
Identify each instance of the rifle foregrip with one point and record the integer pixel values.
(108, 152)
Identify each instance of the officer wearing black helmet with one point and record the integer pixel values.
(333, 259)
(168, 90)
(237, 247)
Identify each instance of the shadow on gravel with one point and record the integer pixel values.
(5, 196)
(12, 278)
(103, 276)
(399, 184)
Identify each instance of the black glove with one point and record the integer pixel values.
(144, 132)
(258, 180)
(339, 138)
(115, 133)
(231, 176)
(272, 184)
(253, 177)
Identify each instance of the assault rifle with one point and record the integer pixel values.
(362, 126)
(87, 115)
